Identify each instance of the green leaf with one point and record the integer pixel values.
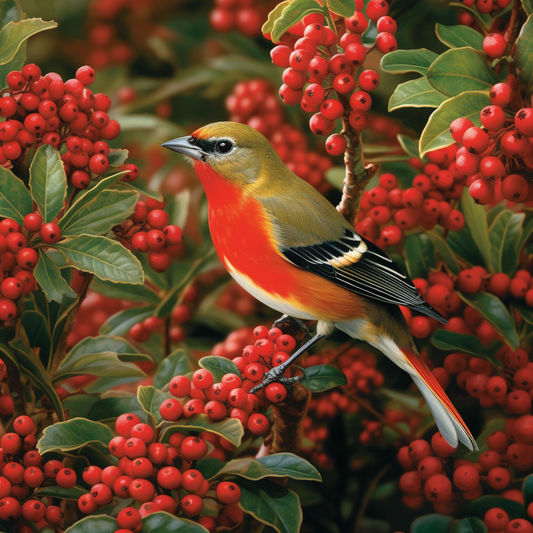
(273, 16)
(464, 246)
(443, 249)
(277, 465)
(323, 377)
(106, 259)
(38, 332)
(292, 14)
(492, 309)
(73, 434)
(120, 323)
(468, 525)
(526, 233)
(431, 523)
(125, 291)
(49, 277)
(79, 405)
(101, 356)
(504, 235)
(401, 61)
(419, 255)
(459, 36)
(11, 12)
(476, 223)
(409, 145)
(527, 490)
(344, 8)
(481, 505)
(48, 182)
(34, 369)
(15, 199)
(272, 504)
(449, 341)
(117, 157)
(525, 312)
(151, 399)
(415, 93)
(139, 186)
(178, 363)
(113, 406)
(459, 70)
(528, 6)
(209, 467)
(231, 429)
(219, 366)
(437, 134)
(162, 522)
(94, 524)
(98, 216)
(524, 55)
(54, 491)
(13, 34)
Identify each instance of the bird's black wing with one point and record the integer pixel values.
(359, 266)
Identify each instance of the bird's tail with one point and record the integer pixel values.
(448, 420)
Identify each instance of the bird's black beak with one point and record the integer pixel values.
(183, 145)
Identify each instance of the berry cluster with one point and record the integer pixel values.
(160, 477)
(245, 16)
(487, 6)
(338, 85)
(148, 231)
(22, 472)
(18, 259)
(498, 157)
(46, 110)
(255, 103)
(439, 290)
(387, 211)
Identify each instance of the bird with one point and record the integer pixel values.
(288, 246)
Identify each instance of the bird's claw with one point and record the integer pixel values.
(275, 375)
(286, 318)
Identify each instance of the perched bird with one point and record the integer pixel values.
(290, 248)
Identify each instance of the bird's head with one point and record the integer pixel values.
(234, 151)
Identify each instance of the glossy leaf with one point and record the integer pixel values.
(34, 369)
(48, 182)
(210, 466)
(476, 223)
(15, 199)
(524, 55)
(231, 429)
(162, 522)
(49, 277)
(419, 255)
(431, 523)
(401, 61)
(219, 366)
(528, 6)
(125, 291)
(150, 400)
(292, 14)
(470, 524)
(15, 64)
(459, 70)
(415, 93)
(277, 465)
(273, 16)
(437, 134)
(113, 406)
(504, 235)
(117, 157)
(527, 230)
(443, 249)
(79, 405)
(409, 145)
(344, 8)
(139, 186)
(55, 491)
(120, 323)
(491, 308)
(484, 20)
(464, 246)
(101, 356)
(98, 216)
(73, 434)
(94, 524)
(272, 504)
(525, 312)
(178, 363)
(38, 332)
(459, 36)
(13, 34)
(106, 259)
(323, 377)
(481, 505)
(468, 344)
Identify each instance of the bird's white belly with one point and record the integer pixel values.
(265, 297)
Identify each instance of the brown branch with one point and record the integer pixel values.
(513, 26)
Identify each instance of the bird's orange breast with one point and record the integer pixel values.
(243, 237)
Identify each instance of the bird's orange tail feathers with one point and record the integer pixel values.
(448, 420)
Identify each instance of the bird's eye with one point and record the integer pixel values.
(224, 146)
